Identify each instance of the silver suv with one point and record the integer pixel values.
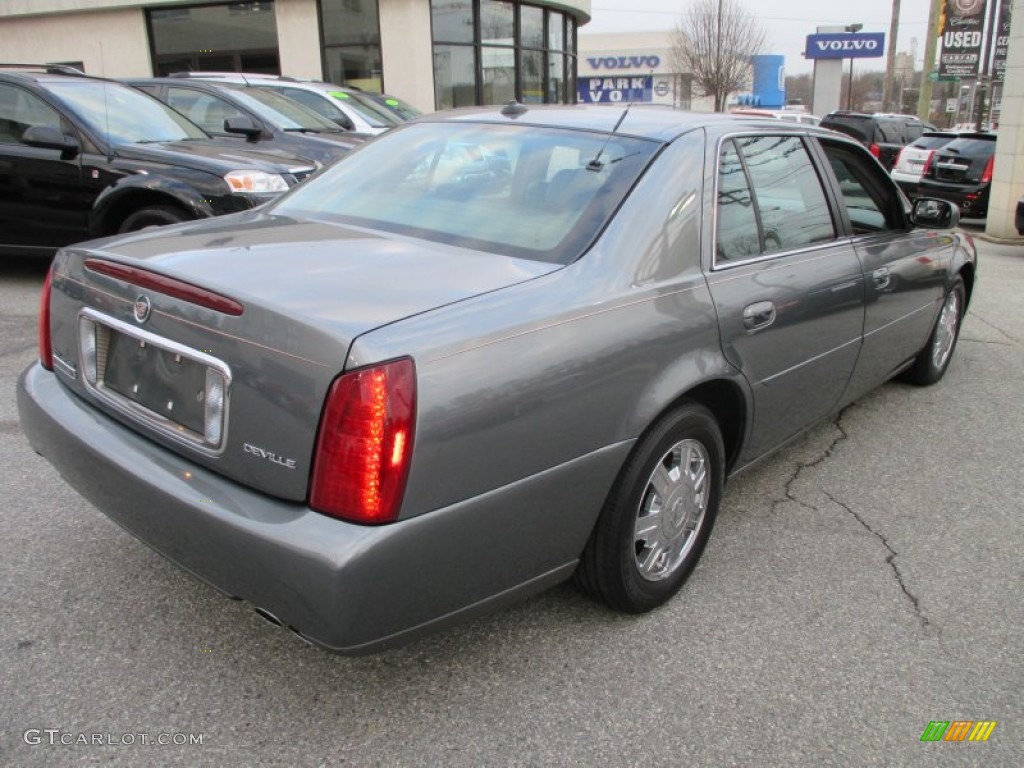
(350, 108)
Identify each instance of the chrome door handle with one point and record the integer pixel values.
(880, 277)
(759, 315)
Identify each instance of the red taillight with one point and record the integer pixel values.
(875, 150)
(986, 175)
(364, 447)
(928, 163)
(45, 350)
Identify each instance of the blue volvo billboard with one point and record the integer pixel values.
(845, 45)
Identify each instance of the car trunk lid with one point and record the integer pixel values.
(135, 330)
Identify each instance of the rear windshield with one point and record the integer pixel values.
(522, 191)
(932, 142)
(861, 128)
(973, 147)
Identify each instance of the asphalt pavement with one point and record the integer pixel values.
(862, 583)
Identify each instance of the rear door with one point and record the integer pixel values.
(787, 288)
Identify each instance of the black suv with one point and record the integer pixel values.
(261, 117)
(883, 134)
(961, 172)
(84, 157)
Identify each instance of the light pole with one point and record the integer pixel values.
(849, 88)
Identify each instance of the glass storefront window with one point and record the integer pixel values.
(556, 31)
(497, 22)
(360, 67)
(492, 51)
(532, 68)
(237, 36)
(349, 22)
(454, 76)
(556, 78)
(452, 20)
(531, 27)
(499, 65)
(351, 30)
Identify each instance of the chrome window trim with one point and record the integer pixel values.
(795, 131)
(140, 414)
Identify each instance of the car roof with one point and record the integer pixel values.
(649, 121)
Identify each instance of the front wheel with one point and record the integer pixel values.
(932, 361)
(659, 515)
(153, 216)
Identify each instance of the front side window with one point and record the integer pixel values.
(521, 191)
(204, 109)
(20, 110)
(871, 202)
(770, 198)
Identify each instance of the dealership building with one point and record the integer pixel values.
(434, 54)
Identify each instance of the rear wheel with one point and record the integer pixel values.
(153, 216)
(659, 515)
(933, 360)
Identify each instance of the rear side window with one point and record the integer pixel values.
(770, 198)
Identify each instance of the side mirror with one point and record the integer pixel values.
(49, 137)
(244, 125)
(345, 122)
(932, 213)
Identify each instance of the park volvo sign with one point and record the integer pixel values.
(614, 90)
(844, 45)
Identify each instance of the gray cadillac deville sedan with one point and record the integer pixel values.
(486, 352)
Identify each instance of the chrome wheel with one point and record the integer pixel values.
(672, 510)
(946, 331)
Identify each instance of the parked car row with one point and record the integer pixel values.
(83, 157)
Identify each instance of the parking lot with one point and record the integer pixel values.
(861, 583)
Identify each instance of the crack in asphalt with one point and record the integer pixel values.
(996, 328)
(825, 455)
(802, 465)
(890, 559)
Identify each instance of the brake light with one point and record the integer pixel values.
(928, 163)
(45, 349)
(168, 286)
(875, 150)
(986, 175)
(364, 446)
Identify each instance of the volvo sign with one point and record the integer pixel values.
(843, 45)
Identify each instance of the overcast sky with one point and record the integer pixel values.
(787, 22)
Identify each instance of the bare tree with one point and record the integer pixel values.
(714, 41)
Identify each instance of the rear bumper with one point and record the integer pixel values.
(350, 588)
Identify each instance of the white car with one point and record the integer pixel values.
(914, 158)
(788, 115)
(352, 109)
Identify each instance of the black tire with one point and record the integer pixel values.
(933, 360)
(620, 565)
(153, 216)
